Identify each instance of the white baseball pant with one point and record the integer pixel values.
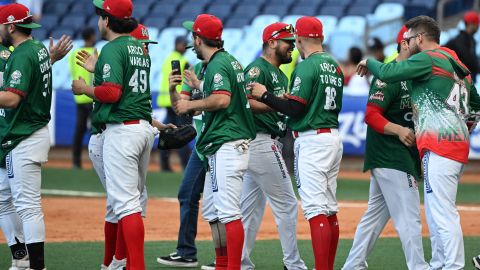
(441, 176)
(317, 162)
(267, 178)
(393, 194)
(126, 155)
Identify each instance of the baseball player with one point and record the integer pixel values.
(25, 109)
(227, 129)
(193, 180)
(122, 87)
(393, 185)
(312, 109)
(267, 177)
(10, 222)
(114, 252)
(440, 97)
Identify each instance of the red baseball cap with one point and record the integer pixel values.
(278, 30)
(141, 33)
(207, 26)
(309, 27)
(471, 17)
(401, 34)
(121, 9)
(17, 14)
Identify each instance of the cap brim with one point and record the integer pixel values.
(29, 25)
(188, 25)
(148, 41)
(98, 3)
(288, 38)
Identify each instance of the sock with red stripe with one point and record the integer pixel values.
(134, 236)
(321, 239)
(220, 242)
(235, 238)
(110, 230)
(335, 233)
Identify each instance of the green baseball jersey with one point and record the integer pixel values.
(224, 76)
(395, 102)
(317, 82)
(28, 73)
(440, 97)
(276, 82)
(124, 63)
(4, 55)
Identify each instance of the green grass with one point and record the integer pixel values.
(166, 185)
(267, 255)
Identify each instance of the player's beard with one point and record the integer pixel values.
(414, 49)
(7, 40)
(196, 49)
(283, 56)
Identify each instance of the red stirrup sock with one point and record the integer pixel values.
(121, 249)
(335, 232)
(321, 238)
(110, 231)
(134, 234)
(235, 238)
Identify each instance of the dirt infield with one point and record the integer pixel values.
(81, 219)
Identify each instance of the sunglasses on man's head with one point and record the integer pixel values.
(287, 28)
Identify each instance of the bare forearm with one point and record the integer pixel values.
(391, 129)
(9, 100)
(212, 103)
(89, 91)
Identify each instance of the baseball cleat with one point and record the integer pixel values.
(21, 264)
(476, 261)
(178, 261)
(103, 267)
(208, 267)
(117, 264)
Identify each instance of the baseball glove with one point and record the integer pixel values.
(173, 138)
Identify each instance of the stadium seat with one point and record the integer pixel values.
(341, 42)
(162, 9)
(275, 9)
(75, 22)
(338, 2)
(309, 2)
(220, 10)
(155, 22)
(141, 10)
(261, 21)
(232, 37)
(388, 11)
(236, 22)
(246, 10)
(291, 19)
(79, 8)
(304, 9)
(253, 2)
(403, 2)
(56, 8)
(48, 21)
(336, 11)
(329, 24)
(40, 34)
(360, 9)
(353, 24)
(59, 31)
(192, 9)
(167, 37)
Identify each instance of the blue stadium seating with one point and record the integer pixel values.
(220, 10)
(246, 10)
(58, 32)
(304, 9)
(158, 22)
(255, 2)
(280, 10)
(56, 8)
(40, 34)
(191, 10)
(237, 22)
(361, 9)
(74, 22)
(163, 10)
(336, 11)
(49, 21)
(141, 10)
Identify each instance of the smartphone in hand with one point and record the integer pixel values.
(176, 68)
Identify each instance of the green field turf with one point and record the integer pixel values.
(267, 255)
(166, 185)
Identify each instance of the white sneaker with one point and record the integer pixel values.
(22, 264)
(476, 261)
(103, 267)
(209, 266)
(117, 264)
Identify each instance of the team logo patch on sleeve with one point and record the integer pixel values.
(377, 96)
(5, 54)
(16, 77)
(106, 71)
(296, 84)
(380, 84)
(254, 73)
(217, 80)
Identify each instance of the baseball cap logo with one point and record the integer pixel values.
(144, 32)
(10, 18)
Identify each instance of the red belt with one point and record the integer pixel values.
(320, 130)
